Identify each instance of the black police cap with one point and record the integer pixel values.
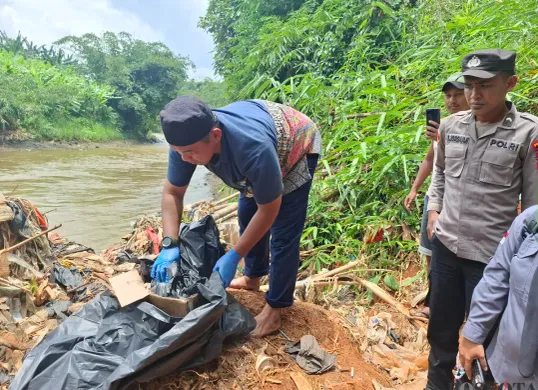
(186, 120)
(486, 64)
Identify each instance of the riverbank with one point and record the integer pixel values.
(96, 193)
(56, 145)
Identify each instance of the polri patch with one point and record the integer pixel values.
(504, 144)
(457, 138)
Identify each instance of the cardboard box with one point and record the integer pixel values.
(129, 287)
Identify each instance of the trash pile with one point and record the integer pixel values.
(327, 331)
(106, 345)
(44, 278)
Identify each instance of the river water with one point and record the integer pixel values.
(95, 193)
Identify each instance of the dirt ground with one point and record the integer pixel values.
(235, 368)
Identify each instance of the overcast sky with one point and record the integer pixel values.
(173, 22)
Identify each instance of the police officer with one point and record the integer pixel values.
(508, 291)
(485, 160)
(269, 152)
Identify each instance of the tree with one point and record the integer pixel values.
(210, 91)
(146, 75)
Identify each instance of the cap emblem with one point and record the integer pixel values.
(474, 62)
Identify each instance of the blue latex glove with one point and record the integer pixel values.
(227, 265)
(166, 258)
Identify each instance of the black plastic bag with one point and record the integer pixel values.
(103, 346)
(200, 249)
(65, 277)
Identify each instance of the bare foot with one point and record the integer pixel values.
(245, 283)
(267, 322)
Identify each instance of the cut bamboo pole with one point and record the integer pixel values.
(224, 212)
(227, 217)
(24, 242)
(224, 200)
(4, 262)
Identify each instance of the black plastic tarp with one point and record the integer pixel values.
(103, 346)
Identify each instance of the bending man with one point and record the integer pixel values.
(267, 151)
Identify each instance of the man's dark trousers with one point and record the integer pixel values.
(284, 237)
(452, 282)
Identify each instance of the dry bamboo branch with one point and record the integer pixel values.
(224, 200)
(337, 271)
(222, 213)
(227, 217)
(24, 242)
(5, 281)
(379, 292)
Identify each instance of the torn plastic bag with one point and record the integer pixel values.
(103, 346)
(65, 277)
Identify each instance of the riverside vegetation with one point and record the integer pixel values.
(365, 70)
(91, 88)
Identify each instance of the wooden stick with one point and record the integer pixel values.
(227, 217)
(337, 271)
(224, 200)
(2, 280)
(379, 292)
(222, 213)
(28, 240)
(49, 211)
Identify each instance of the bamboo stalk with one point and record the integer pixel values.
(337, 271)
(222, 213)
(24, 242)
(379, 292)
(219, 207)
(226, 199)
(227, 217)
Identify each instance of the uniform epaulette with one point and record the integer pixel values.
(529, 117)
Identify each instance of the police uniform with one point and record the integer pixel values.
(508, 295)
(479, 178)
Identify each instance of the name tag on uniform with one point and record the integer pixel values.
(497, 143)
(457, 138)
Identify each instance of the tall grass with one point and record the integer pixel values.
(53, 102)
(366, 71)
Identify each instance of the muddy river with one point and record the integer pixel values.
(96, 193)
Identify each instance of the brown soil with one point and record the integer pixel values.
(235, 368)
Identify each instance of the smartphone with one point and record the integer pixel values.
(478, 380)
(433, 114)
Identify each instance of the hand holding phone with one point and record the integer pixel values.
(432, 114)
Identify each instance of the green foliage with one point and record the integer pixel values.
(145, 75)
(43, 99)
(365, 71)
(21, 45)
(210, 91)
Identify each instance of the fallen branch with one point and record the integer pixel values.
(379, 292)
(337, 271)
(227, 217)
(224, 200)
(225, 211)
(24, 242)
(5, 281)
